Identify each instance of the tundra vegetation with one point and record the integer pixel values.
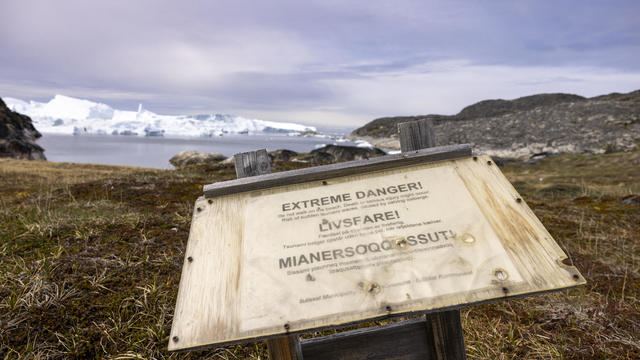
(90, 260)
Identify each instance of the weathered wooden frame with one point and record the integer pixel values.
(325, 172)
(507, 200)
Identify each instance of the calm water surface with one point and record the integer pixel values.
(156, 151)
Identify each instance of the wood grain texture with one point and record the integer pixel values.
(292, 177)
(400, 341)
(415, 135)
(285, 348)
(211, 258)
(511, 218)
(207, 310)
(254, 163)
(444, 329)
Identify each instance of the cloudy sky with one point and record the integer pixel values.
(336, 63)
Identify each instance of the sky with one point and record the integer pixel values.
(324, 63)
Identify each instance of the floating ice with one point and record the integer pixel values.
(67, 115)
(363, 144)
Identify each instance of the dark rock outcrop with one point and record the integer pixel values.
(520, 128)
(493, 108)
(321, 157)
(324, 155)
(195, 158)
(345, 153)
(282, 155)
(18, 136)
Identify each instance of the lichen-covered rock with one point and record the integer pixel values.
(18, 136)
(321, 157)
(195, 158)
(520, 128)
(282, 155)
(348, 153)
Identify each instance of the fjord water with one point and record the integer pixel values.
(156, 151)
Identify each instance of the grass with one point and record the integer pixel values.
(90, 258)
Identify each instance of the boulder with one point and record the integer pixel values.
(348, 153)
(18, 136)
(321, 157)
(195, 158)
(282, 155)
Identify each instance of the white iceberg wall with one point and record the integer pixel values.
(67, 115)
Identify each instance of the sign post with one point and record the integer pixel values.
(438, 336)
(446, 326)
(427, 231)
(256, 163)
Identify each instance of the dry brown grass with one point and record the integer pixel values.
(90, 258)
(69, 173)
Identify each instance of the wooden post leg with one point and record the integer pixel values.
(444, 329)
(255, 163)
(445, 332)
(285, 348)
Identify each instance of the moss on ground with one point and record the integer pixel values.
(90, 258)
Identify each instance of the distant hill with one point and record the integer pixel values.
(554, 123)
(18, 136)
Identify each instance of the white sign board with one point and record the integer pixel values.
(353, 248)
(363, 244)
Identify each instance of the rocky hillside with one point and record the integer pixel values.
(552, 123)
(18, 136)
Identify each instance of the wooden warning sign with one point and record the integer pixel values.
(343, 245)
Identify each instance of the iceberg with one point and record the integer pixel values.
(68, 115)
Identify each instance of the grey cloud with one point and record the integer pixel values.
(272, 91)
(276, 55)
